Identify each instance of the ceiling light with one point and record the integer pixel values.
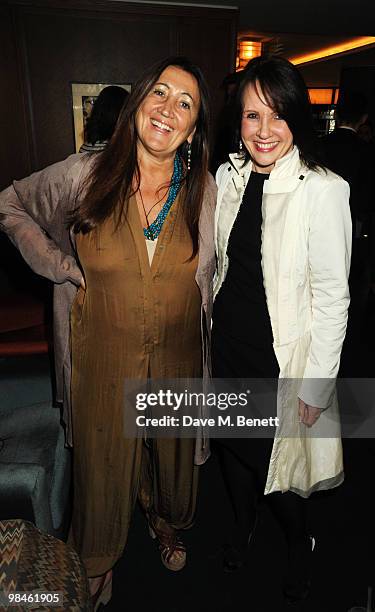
(247, 49)
(355, 43)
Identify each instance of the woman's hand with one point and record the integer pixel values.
(308, 414)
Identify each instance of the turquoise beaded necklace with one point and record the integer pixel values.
(152, 231)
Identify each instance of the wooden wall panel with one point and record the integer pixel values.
(14, 149)
(95, 41)
(74, 48)
(205, 47)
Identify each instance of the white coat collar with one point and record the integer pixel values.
(285, 176)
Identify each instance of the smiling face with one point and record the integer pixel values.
(168, 114)
(264, 133)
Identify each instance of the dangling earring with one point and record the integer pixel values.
(188, 157)
(240, 148)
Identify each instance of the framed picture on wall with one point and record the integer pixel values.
(83, 98)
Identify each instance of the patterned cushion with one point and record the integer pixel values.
(31, 560)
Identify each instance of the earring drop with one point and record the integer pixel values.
(240, 148)
(189, 157)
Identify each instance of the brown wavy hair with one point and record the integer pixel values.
(110, 182)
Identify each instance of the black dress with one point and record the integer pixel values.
(241, 332)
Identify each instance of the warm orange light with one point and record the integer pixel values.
(355, 43)
(324, 95)
(320, 95)
(247, 49)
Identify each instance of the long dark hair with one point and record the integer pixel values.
(110, 182)
(102, 121)
(285, 91)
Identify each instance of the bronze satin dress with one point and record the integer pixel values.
(133, 321)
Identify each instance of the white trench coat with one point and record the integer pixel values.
(306, 247)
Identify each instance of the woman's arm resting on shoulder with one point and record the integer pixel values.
(329, 249)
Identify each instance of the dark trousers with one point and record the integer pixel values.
(244, 462)
(244, 466)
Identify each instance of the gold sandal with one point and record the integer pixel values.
(169, 544)
(103, 593)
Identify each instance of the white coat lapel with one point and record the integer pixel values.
(281, 190)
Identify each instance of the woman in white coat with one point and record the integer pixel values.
(283, 241)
